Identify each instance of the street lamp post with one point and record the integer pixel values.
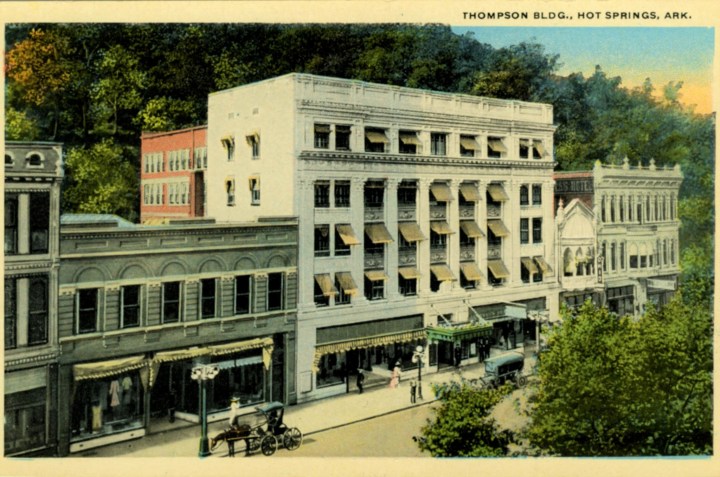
(202, 374)
(418, 356)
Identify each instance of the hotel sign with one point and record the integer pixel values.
(661, 284)
(574, 186)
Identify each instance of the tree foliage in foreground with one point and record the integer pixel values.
(614, 386)
(463, 427)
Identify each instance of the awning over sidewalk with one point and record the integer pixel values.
(459, 332)
(366, 342)
(105, 369)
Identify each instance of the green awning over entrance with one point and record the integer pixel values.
(458, 332)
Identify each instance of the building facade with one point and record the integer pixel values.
(632, 213)
(172, 183)
(424, 217)
(140, 306)
(33, 175)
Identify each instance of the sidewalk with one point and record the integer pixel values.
(312, 417)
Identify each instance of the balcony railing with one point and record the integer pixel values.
(407, 257)
(407, 212)
(467, 253)
(374, 259)
(494, 211)
(494, 251)
(373, 213)
(467, 211)
(438, 211)
(438, 253)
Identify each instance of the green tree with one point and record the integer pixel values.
(18, 127)
(614, 386)
(104, 180)
(462, 426)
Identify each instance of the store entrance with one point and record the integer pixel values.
(446, 356)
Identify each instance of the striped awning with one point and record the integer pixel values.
(378, 233)
(498, 227)
(441, 192)
(529, 264)
(498, 269)
(497, 145)
(376, 275)
(471, 229)
(409, 273)
(497, 192)
(366, 342)
(441, 228)
(347, 234)
(544, 266)
(470, 192)
(410, 138)
(471, 271)
(376, 137)
(347, 283)
(326, 284)
(539, 147)
(442, 273)
(469, 143)
(105, 369)
(411, 231)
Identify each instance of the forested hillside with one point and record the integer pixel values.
(95, 87)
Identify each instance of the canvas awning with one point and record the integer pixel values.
(347, 234)
(410, 138)
(471, 229)
(544, 266)
(498, 227)
(347, 283)
(104, 369)
(411, 231)
(529, 265)
(442, 273)
(376, 137)
(497, 192)
(253, 137)
(471, 271)
(378, 233)
(376, 275)
(326, 284)
(459, 332)
(498, 269)
(497, 145)
(322, 128)
(441, 228)
(469, 143)
(539, 147)
(441, 192)
(470, 192)
(409, 273)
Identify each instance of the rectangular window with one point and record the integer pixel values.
(39, 222)
(468, 146)
(409, 143)
(341, 298)
(524, 231)
(374, 289)
(207, 298)
(322, 241)
(374, 194)
(243, 295)
(407, 193)
(342, 138)
(496, 147)
(11, 224)
(407, 286)
(322, 194)
(342, 194)
(230, 191)
(538, 277)
(537, 194)
(341, 248)
(375, 140)
(86, 306)
(537, 230)
(319, 297)
(524, 198)
(253, 141)
(322, 136)
(275, 292)
(438, 144)
(254, 191)
(171, 302)
(228, 143)
(10, 313)
(38, 311)
(130, 306)
(525, 148)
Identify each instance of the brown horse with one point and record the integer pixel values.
(231, 435)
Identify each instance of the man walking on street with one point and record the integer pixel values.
(413, 391)
(360, 380)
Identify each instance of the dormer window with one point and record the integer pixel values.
(9, 161)
(34, 160)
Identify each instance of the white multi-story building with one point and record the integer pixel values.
(424, 217)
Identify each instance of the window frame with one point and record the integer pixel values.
(11, 230)
(524, 195)
(207, 299)
(524, 231)
(10, 313)
(537, 230)
(239, 294)
(321, 191)
(321, 139)
(124, 307)
(39, 222)
(321, 242)
(79, 319)
(438, 143)
(164, 302)
(341, 298)
(278, 293)
(536, 194)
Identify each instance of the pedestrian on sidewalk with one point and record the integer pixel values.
(395, 380)
(413, 391)
(360, 380)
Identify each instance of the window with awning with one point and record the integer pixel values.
(497, 192)
(471, 229)
(497, 145)
(347, 234)
(442, 273)
(544, 266)
(441, 228)
(471, 271)
(498, 269)
(409, 273)
(376, 137)
(441, 192)
(410, 138)
(529, 264)
(469, 142)
(326, 284)
(498, 228)
(539, 147)
(376, 275)
(470, 192)
(378, 233)
(104, 369)
(410, 231)
(346, 282)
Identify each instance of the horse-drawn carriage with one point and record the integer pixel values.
(262, 430)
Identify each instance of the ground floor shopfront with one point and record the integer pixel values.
(118, 399)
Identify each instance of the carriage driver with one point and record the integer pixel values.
(234, 411)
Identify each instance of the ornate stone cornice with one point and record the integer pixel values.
(39, 358)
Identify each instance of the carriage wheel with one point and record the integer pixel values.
(292, 438)
(268, 444)
(521, 381)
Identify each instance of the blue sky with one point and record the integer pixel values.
(662, 54)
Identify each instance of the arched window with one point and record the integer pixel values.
(612, 209)
(34, 160)
(524, 197)
(579, 262)
(568, 263)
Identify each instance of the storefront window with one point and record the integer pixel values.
(24, 421)
(243, 376)
(108, 405)
(332, 370)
